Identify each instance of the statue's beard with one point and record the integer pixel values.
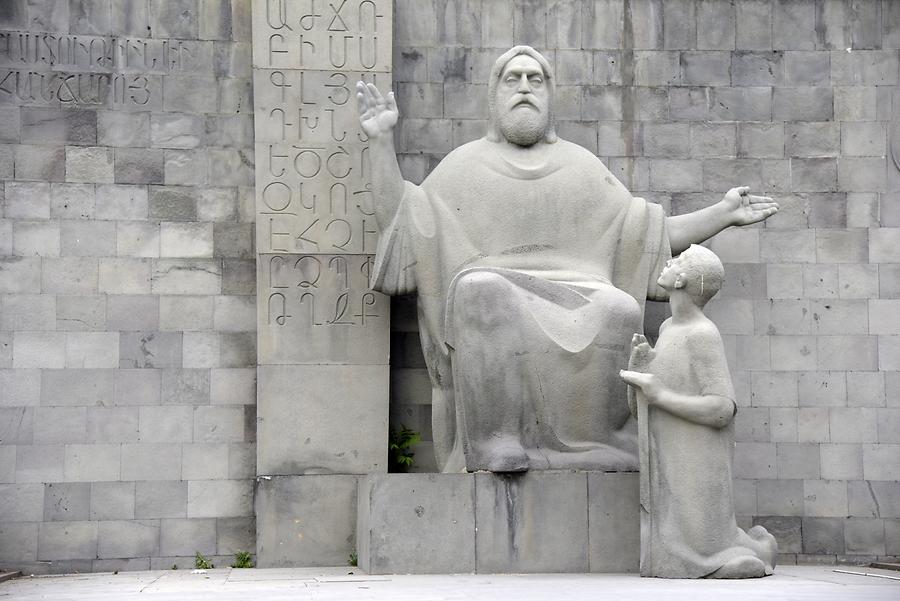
(523, 126)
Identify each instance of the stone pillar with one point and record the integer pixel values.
(323, 335)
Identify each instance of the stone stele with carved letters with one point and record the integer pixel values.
(682, 395)
(532, 264)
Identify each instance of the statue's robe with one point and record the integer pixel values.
(577, 255)
(688, 528)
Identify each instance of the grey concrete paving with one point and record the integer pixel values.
(798, 583)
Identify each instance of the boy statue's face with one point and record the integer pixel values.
(673, 275)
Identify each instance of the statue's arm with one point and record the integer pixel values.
(738, 207)
(377, 116)
(710, 410)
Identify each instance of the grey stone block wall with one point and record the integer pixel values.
(795, 98)
(127, 286)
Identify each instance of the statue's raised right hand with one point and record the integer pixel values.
(377, 115)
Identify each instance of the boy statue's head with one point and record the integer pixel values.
(697, 271)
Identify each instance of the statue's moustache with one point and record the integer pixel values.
(520, 99)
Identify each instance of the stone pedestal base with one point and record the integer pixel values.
(305, 520)
(489, 523)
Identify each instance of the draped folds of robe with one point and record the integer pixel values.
(563, 219)
(687, 516)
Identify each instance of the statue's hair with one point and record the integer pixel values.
(494, 134)
(704, 271)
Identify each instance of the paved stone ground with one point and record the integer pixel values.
(820, 583)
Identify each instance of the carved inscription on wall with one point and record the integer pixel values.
(313, 189)
(315, 222)
(323, 34)
(78, 70)
(319, 308)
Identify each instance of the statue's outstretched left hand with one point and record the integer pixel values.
(745, 208)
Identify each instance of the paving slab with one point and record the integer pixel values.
(821, 583)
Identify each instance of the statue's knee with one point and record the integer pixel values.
(482, 296)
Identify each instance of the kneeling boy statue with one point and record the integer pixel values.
(682, 395)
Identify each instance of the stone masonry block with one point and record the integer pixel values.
(91, 164)
(863, 138)
(18, 542)
(860, 353)
(51, 125)
(841, 461)
(39, 349)
(112, 501)
(22, 502)
(77, 313)
(864, 536)
(92, 462)
(186, 276)
(26, 200)
(761, 140)
(28, 312)
(798, 460)
(137, 239)
(69, 275)
(129, 312)
(404, 518)
(185, 537)
(167, 499)
(823, 535)
(880, 462)
(166, 424)
(42, 163)
(854, 424)
(204, 461)
(812, 139)
(186, 167)
(715, 26)
(825, 498)
(220, 424)
(177, 130)
(139, 166)
(754, 460)
(220, 498)
(72, 201)
(235, 534)
(807, 68)
(124, 276)
(517, 529)
(121, 202)
(20, 275)
(134, 538)
(92, 349)
(67, 502)
(186, 239)
(67, 540)
(202, 350)
(151, 461)
(706, 68)
(740, 103)
(233, 386)
(300, 436)
(185, 387)
(137, 387)
(780, 497)
(859, 174)
(119, 128)
(150, 349)
(185, 312)
(58, 425)
(87, 238)
(35, 238)
(812, 425)
(855, 103)
(614, 522)
(306, 520)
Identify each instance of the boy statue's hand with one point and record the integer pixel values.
(641, 353)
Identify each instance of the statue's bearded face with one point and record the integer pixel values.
(522, 101)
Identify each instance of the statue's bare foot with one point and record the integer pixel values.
(746, 566)
(499, 455)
